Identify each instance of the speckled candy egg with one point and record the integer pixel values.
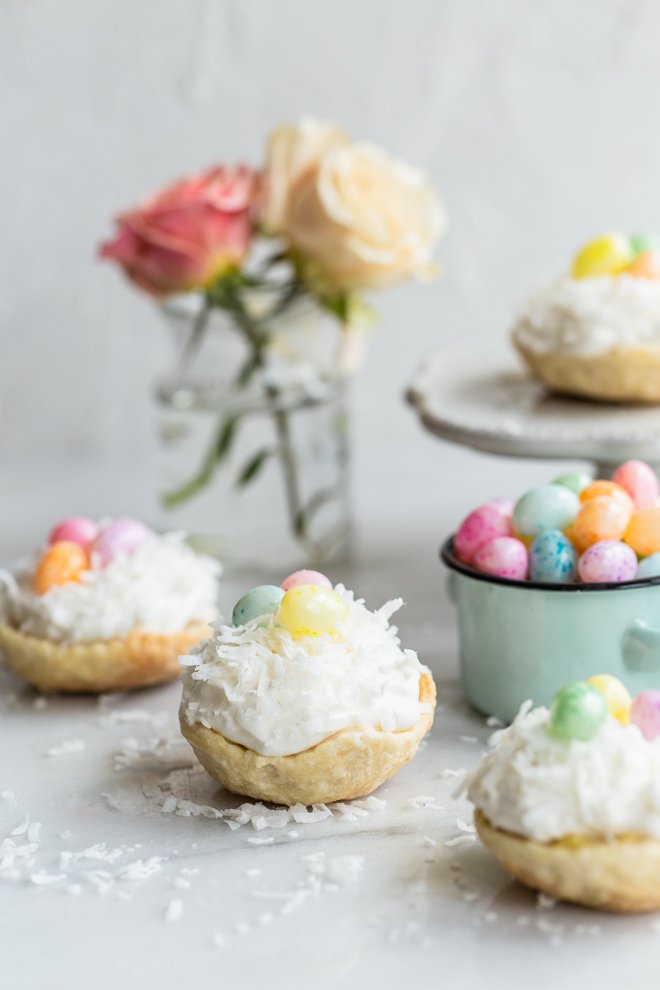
(256, 603)
(601, 518)
(62, 562)
(577, 481)
(608, 489)
(649, 567)
(608, 561)
(552, 558)
(615, 694)
(306, 577)
(640, 481)
(309, 610)
(504, 557)
(483, 524)
(645, 713)
(643, 532)
(123, 536)
(577, 712)
(543, 508)
(75, 529)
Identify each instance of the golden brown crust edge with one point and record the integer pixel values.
(622, 875)
(623, 374)
(137, 660)
(349, 764)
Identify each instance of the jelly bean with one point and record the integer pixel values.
(615, 694)
(577, 481)
(504, 557)
(543, 508)
(482, 525)
(641, 243)
(611, 490)
(643, 532)
(552, 558)
(607, 255)
(645, 713)
(645, 265)
(123, 536)
(310, 610)
(258, 602)
(62, 562)
(75, 529)
(577, 711)
(607, 562)
(640, 481)
(599, 519)
(306, 577)
(649, 567)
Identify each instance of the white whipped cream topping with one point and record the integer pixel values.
(162, 587)
(589, 316)
(259, 687)
(537, 786)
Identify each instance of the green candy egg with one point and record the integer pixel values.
(577, 711)
(262, 600)
(577, 481)
(545, 507)
(641, 243)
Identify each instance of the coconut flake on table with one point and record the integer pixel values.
(66, 747)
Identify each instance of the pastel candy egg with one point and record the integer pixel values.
(649, 567)
(504, 557)
(552, 558)
(577, 481)
(483, 524)
(643, 532)
(123, 536)
(615, 694)
(577, 711)
(640, 481)
(312, 610)
(641, 243)
(262, 600)
(62, 562)
(646, 265)
(645, 713)
(610, 489)
(75, 529)
(601, 518)
(607, 255)
(545, 507)
(306, 577)
(608, 561)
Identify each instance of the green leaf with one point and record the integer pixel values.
(219, 449)
(254, 466)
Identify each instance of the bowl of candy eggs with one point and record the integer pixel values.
(557, 586)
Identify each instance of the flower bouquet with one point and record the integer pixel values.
(253, 254)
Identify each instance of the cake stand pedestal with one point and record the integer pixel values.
(478, 396)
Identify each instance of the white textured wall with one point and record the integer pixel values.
(537, 118)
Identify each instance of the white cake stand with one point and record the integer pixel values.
(479, 396)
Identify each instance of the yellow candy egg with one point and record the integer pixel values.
(312, 610)
(643, 532)
(64, 561)
(615, 694)
(607, 255)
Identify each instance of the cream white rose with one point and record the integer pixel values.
(294, 152)
(361, 219)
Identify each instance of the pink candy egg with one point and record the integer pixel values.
(123, 536)
(608, 561)
(75, 529)
(484, 524)
(305, 577)
(645, 713)
(504, 557)
(640, 481)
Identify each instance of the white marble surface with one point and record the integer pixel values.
(428, 907)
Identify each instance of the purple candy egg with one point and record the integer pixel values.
(645, 713)
(608, 561)
(123, 536)
(504, 557)
(75, 529)
(489, 521)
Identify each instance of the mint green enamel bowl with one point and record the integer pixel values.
(521, 639)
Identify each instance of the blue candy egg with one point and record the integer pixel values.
(543, 508)
(577, 481)
(553, 558)
(649, 567)
(259, 601)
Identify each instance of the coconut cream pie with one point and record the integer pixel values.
(568, 798)
(105, 606)
(595, 331)
(306, 696)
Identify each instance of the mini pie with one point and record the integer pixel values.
(306, 717)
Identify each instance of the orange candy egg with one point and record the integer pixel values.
(63, 562)
(600, 518)
(643, 532)
(645, 265)
(610, 489)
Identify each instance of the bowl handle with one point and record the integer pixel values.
(640, 647)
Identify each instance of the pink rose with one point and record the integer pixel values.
(188, 235)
